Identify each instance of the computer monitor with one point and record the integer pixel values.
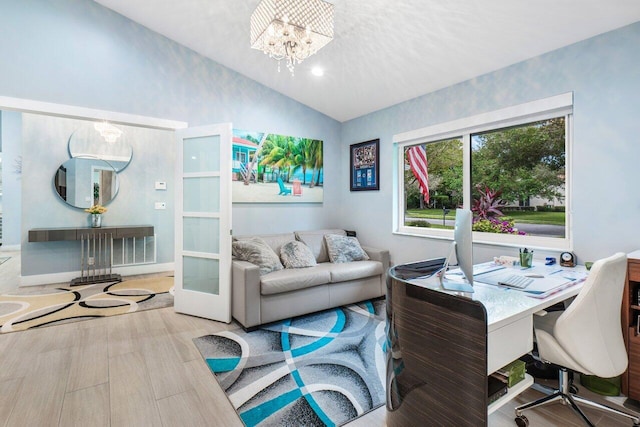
(463, 248)
(463, 237)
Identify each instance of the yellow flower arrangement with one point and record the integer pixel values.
(96, 209)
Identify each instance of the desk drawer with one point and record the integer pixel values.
(506, 344)
(634, 270)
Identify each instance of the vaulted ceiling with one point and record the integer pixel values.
(385, 52)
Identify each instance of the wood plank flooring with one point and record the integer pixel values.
(142, 369)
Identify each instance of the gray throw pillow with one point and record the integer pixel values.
(296, 254)
(314, 239)
(256, 251)
(344, 249)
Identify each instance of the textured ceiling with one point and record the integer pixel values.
(385, 51)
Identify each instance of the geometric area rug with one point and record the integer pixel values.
(322, 369)
(54, 305)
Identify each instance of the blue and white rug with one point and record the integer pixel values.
(323, 369)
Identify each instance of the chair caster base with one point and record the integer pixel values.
(522, 421)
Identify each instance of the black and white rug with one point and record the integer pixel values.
(324, 369)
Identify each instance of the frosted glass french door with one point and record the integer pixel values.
(203, 222)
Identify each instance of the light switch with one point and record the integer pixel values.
(161, 205)
(161, 185)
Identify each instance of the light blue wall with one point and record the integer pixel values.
(11, 129)
(79, 53)
(45, 139)
(603, 73)
(76, 52)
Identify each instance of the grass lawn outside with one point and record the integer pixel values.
(525, 217)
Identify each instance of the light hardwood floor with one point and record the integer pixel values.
(9, 271)
(142, 369)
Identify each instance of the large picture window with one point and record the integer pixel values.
(432, 182)
(510, 167)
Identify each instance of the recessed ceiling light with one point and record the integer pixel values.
(317, 71)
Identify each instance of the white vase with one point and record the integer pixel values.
(96, 220)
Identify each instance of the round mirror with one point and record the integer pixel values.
(83, 181)
(103, 141)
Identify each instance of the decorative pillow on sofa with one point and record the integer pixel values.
(296, 254)
(256, 251)
(344, 248)
(314, 239)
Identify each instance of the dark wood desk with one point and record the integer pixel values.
(444, 344)
(630, 318)
(437, 363)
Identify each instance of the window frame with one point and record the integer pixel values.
(521, 114)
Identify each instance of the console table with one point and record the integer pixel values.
(444, 344)
(95, 247)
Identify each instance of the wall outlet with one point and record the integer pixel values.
(91, 261)
(161, 205)
(161, 185)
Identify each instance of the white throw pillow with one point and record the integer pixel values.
(344, 249)
(296, 254)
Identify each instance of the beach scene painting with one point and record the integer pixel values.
(272, 168)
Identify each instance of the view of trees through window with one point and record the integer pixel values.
(517, 181)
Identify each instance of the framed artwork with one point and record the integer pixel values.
(272, 168)
(365, 165)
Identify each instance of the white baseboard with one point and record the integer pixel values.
(11, 248)
(68, 276)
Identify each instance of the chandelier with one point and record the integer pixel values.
(109, 132)
(291, 30)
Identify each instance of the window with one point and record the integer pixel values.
(241, 156)
(510, 167)
(432, 182)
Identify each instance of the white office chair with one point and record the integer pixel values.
(586, 337)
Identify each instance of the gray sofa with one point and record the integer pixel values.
(276, 295)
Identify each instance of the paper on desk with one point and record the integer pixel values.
(555, 271)
(540, 287)
(550, 292)
(478, 269)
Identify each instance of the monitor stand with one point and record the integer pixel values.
(451, 285)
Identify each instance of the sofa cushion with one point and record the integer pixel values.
(275, 241)
(315, 240)
(296, 254)
(293, 279)
(257, 252)
(345, 271)
(344, 249)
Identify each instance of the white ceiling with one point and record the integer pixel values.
(385, 51)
